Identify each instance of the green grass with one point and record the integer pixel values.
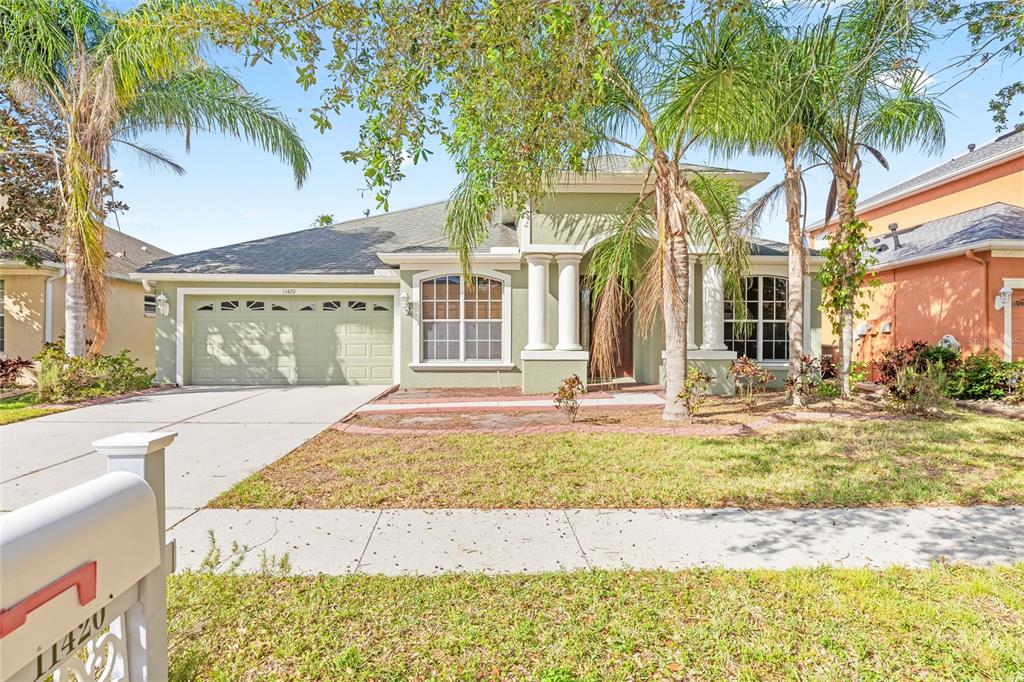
(22, 407)
(952, 623)
(968, 459)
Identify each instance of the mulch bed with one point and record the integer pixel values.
(721, 417)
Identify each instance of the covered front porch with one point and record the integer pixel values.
(559, 317)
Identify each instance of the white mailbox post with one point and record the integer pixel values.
(83, 592)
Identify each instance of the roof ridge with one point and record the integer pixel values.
(376, 215)
(954, 215)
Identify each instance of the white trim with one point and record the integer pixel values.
(1012, 283)
(182, 292)
(508, 259)
(934, 182)
(987, 245)
(388, 276)
(506, 323)
(48, 305)
(555, 355)
(468, 366)
(701, 354)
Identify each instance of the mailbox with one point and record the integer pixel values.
(69, 558)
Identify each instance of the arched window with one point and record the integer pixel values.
(461, 321)
(764, 335)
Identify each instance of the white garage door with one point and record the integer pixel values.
(251, 339)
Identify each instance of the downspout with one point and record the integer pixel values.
(971, 256)
(48, 306)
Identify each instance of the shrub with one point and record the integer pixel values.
(568, 397)
(981, 376)
(695, 391)
(64, 378)
(11, 369)
(750, 379)
(828, 389)
(915, 391)
(860, 371)
(808, 376)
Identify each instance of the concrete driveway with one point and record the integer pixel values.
(224, 434)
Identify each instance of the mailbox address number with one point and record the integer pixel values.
(70, 643)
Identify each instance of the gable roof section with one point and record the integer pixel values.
(125, 253)
(997, 221)
(1002, 145)
(345, 248)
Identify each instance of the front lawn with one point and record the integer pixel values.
(22, 407)
(967, 459)
(953, 623)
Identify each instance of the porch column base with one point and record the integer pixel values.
(543, 371)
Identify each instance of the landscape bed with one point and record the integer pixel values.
(946, 622)
(964, 459)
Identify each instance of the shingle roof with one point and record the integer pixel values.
(623, 163)
(349, 247)
(995, 221)
(1000, 145)
(125, 253)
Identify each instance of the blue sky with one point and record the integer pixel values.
(232, 192)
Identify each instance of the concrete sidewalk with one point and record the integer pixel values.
(427, 542)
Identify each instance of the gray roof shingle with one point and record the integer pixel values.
(125, 253)
(349, 247)
(1000, 145)
(994, 221)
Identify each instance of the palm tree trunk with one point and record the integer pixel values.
(675, 293)
(797, 268)
(74, 304)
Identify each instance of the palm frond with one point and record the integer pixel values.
(153, 156)
(206, 99)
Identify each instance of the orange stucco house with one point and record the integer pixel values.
(949, 245)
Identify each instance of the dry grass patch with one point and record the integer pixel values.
(949, 623)
(968, 459)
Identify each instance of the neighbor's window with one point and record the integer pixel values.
(461, 320)
(764, 335)
(149, 305)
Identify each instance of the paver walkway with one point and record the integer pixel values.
(413, 541)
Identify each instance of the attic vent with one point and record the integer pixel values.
(893, 227)
(119, 254)
(971, 147)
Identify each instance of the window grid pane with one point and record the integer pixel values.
(461, 322)
(765, 334)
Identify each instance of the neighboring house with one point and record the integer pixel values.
(950, 250)
(381, 300)
(32, 310)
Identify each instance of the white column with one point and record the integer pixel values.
(569, 302)
(714, 309)
(144, 628)
(537, 299)
(690, 345)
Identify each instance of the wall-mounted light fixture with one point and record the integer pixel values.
(404, 300)
(1003, 297)
(162, 306)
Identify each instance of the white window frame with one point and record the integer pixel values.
(759, 322)
(506, 322)
(147, 301)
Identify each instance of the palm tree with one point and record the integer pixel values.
(874, 98)
(108, 78)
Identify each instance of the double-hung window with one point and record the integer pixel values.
(764, 335)
(461, 320)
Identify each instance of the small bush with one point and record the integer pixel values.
(569, 396)
(805, 383)
(62, 378)
(828, 389)
(695, 391)
(983, 376)
(11, 369)
(860, 371)
(915, 391)
(750, 379)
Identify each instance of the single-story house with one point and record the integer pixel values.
(381, 300)
(32, 300)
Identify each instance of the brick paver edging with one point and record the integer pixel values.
(709, 430)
